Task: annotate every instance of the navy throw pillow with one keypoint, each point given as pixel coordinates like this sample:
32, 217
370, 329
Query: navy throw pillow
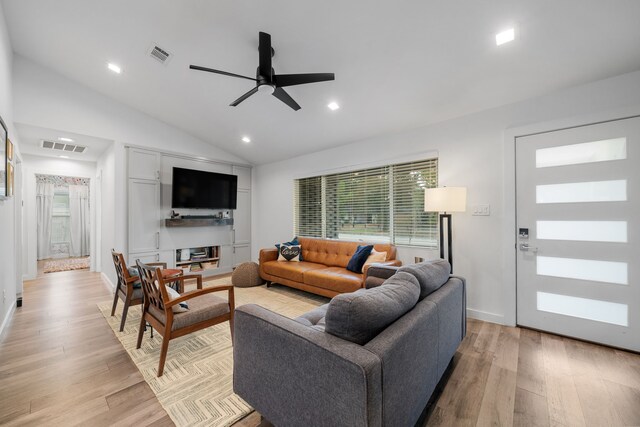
293, 242
133, 272
359, 258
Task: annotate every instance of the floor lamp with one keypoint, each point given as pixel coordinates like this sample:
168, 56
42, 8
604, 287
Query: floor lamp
445, 199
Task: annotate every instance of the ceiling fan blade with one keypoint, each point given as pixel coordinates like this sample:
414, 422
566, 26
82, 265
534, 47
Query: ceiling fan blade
283, 80
264, 49
243, 97
284, 97
224, 73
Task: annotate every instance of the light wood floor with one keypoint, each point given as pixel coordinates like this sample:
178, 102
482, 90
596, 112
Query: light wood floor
60, 364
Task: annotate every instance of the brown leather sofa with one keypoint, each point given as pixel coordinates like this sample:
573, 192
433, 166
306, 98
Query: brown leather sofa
323, 270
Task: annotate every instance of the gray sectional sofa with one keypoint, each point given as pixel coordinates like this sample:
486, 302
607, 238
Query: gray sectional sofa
368, 358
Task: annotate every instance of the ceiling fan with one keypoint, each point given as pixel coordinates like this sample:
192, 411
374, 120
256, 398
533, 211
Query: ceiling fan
266, 79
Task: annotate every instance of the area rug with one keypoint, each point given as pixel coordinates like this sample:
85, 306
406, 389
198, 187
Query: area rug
197, 386
66, 264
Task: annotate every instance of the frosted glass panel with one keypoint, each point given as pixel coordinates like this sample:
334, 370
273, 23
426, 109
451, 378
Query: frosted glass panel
588, 152
583, 269
575, 192
600, 311
586, 231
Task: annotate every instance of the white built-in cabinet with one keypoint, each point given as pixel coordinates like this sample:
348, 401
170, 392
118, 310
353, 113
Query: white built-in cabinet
148, 238
242, 217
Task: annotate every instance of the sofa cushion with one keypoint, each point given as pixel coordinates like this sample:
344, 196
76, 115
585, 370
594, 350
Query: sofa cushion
360, 316
290, 270
337, 279
315, 318
359, 258
430, 274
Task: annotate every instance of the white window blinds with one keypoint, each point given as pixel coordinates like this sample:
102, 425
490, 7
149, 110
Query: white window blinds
384, 204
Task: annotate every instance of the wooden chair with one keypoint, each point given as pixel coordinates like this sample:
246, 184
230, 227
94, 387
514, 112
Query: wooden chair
125, 289
204, 309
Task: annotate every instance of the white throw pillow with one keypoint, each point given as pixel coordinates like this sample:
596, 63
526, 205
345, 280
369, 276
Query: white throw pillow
173, 294
374, 257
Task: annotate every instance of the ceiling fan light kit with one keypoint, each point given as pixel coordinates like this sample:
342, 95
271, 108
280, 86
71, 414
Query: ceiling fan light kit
266, 80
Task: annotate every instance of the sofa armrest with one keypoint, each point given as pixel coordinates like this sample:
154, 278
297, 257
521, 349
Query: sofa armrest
270, 254
296, 375
377, 273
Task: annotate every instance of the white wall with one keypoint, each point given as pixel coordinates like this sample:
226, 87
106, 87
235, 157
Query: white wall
9, 261
471, 153
106, 213
46, 99
33, 165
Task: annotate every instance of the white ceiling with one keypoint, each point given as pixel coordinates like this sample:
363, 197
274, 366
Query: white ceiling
398, 64
31, 143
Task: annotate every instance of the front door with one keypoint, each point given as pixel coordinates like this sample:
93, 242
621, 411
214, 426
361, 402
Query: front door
578, 220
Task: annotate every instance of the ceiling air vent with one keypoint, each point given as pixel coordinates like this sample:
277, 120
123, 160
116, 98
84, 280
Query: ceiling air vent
159, 54
61, 146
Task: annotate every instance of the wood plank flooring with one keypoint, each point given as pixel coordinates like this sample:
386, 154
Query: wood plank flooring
60, 364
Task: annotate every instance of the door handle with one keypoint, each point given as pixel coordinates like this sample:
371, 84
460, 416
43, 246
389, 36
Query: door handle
157, 240
524, 247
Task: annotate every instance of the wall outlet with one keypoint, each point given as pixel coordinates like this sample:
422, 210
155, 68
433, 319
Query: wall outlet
481, 210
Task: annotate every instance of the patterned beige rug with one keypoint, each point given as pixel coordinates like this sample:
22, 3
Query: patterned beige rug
196, 388
66, 264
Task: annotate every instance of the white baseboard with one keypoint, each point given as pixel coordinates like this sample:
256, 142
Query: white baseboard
7, 317
485, 316
112, 287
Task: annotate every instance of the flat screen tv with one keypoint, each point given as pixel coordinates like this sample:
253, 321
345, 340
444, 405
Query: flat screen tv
203, 190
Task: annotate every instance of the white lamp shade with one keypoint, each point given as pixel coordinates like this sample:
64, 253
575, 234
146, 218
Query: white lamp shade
445, 199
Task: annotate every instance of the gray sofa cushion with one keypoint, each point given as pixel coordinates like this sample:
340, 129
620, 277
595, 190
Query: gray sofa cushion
430, 274
315, 318
360, 316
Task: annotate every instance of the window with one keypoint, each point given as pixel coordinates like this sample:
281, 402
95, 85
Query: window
384, 204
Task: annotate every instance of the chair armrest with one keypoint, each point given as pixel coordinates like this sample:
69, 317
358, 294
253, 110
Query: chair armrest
182, 278
198, 292
296, 375
379, 272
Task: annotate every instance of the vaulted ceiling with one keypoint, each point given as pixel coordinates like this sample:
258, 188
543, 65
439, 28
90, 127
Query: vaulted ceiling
398, 64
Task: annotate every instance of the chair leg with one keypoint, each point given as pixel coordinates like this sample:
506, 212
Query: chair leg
127, 302
143, 326
115, 302
163, 353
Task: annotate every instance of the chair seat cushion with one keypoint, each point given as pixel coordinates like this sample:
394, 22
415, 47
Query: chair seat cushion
337, 279
202, 308
290, 270
138, 293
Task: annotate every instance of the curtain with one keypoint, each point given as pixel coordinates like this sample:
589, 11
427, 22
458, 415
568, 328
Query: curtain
44, 205
79, 219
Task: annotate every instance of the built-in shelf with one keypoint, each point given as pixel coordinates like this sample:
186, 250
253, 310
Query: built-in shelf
197, 222
193, 261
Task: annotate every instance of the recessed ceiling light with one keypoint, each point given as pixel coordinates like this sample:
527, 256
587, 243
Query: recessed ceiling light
505, 36
333, 106
64, 157
63, 139
114, 68
246, 139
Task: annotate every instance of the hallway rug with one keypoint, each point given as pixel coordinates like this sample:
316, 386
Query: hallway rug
66, 264
197, 386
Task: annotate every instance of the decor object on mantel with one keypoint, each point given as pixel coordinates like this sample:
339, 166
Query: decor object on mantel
266, 80
445, 199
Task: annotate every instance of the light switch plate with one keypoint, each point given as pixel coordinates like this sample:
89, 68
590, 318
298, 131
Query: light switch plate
481, 210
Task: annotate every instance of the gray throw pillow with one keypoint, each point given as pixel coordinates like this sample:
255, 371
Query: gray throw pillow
361, 315
430, 274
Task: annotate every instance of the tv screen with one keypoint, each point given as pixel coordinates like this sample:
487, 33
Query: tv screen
203, 190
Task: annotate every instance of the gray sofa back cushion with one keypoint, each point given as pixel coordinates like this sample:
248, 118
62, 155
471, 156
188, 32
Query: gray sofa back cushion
361, 315
430, 274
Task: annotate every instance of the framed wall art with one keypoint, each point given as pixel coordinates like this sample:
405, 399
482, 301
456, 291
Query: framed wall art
4, 160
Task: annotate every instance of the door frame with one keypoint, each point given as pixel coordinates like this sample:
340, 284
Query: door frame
509, 231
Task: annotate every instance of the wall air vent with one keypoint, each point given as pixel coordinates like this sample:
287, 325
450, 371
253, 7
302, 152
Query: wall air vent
159, 54
60, 146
